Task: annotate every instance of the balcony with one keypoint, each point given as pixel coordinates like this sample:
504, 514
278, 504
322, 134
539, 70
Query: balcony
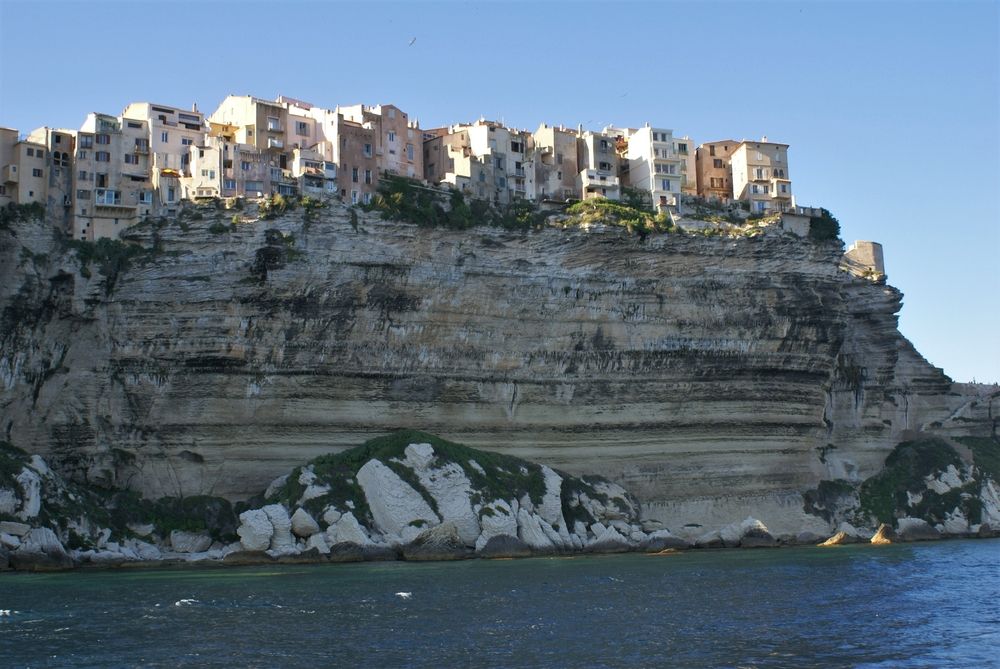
598, 179
9, 174
273, 143
274, 127
776, 185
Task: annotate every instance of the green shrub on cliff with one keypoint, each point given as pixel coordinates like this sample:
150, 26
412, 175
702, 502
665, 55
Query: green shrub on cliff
13, 213
884, 496
599, 210
824, 227
111, 257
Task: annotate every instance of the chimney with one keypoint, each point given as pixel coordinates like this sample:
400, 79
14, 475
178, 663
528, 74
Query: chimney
194, 107
764, 139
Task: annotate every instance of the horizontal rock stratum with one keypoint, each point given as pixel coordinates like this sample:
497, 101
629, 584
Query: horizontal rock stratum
712, 377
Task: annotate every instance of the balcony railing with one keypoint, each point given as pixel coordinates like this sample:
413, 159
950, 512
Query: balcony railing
273, 143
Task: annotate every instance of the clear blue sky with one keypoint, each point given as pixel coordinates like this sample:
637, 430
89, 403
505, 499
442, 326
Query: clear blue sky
890, 108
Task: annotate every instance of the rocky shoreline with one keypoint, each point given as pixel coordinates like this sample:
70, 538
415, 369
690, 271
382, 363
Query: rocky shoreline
415, 497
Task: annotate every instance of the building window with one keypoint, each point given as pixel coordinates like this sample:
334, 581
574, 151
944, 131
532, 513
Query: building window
103, 139
35, 172
83, 195
368, 150
354, 197
392, 136
368, 198
754, 189
682, 148
783, 187
186, 141
760, 206
81, 155
145, 197
711, 150
31, 152
229, 184
86, 141
82, 176
131, 159
245, 165
665, 184
354, 174
717, 163
716, 182
368, 176
102, 157
760, 156
133, 124
409, 152
164, 137
101, 180
759, 173
171, 193
517, 147
605, 166
274, 123
302, 128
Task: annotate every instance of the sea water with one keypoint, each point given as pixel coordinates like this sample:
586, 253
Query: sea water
912, 605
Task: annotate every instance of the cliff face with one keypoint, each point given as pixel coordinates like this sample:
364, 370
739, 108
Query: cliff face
712, 377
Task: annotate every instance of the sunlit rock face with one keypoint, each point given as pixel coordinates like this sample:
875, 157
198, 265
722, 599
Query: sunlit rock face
712, 377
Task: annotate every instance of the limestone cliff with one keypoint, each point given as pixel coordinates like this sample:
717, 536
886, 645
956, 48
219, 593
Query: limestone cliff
713, 377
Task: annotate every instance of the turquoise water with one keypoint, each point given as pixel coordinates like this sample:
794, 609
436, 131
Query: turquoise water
918, 605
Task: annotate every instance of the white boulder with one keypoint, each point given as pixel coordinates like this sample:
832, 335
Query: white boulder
255, 530
945, 481
394, 503
989, 494
331, 515
347, 529
188, 542
550, 509
282, 539
450, 488
318, 541
530, 531
31, 485
8, 501
497, 518
303, 524
15, 528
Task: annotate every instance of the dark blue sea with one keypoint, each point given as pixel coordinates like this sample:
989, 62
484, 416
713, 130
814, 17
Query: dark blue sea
915, 605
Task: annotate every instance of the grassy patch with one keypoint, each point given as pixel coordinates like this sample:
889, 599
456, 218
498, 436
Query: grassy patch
636, 220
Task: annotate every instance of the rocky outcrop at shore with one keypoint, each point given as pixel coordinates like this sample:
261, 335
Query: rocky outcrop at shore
414, 496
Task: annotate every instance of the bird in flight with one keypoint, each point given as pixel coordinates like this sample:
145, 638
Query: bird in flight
412, 41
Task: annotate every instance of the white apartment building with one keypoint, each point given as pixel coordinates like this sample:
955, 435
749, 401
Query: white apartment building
654, 164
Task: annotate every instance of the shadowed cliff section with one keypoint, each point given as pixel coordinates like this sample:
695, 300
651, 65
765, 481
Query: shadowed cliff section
703, 373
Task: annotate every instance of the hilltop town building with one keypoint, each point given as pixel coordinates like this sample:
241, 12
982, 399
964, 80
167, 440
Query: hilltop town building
115, 171
23, 168
760, 175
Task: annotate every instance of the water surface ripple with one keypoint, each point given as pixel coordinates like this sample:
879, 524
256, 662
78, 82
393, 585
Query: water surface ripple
926, 605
